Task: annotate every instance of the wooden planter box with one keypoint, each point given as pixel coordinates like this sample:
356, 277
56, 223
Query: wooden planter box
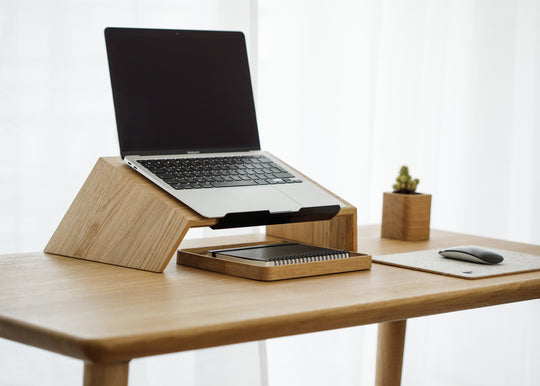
406, 216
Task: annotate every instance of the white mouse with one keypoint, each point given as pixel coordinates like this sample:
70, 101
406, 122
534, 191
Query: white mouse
472, 253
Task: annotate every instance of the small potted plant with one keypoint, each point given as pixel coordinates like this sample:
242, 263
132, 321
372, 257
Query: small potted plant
406, 213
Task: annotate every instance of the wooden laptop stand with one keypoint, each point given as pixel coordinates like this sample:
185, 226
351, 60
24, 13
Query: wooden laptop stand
119, 217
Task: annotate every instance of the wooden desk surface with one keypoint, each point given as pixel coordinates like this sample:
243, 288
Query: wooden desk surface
106, 314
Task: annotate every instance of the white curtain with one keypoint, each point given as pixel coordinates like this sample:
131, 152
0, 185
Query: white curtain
56, 119
347, 91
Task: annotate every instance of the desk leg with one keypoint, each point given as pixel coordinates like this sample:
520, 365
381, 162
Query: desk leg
115, 374
390, 345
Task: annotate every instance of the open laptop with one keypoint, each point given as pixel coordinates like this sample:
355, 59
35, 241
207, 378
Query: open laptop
186, 118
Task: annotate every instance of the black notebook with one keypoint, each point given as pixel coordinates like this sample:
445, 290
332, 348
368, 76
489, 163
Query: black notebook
278, 254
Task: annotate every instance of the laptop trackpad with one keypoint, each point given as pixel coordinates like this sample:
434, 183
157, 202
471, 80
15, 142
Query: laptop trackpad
219, 202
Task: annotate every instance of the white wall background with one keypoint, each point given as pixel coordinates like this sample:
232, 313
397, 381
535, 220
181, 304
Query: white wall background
347, 91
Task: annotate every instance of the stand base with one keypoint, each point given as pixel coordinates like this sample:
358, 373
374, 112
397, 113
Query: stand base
121, 218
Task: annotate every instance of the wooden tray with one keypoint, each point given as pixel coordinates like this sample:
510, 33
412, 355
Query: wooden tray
197, 258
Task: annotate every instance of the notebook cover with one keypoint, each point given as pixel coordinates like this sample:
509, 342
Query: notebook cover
275, 252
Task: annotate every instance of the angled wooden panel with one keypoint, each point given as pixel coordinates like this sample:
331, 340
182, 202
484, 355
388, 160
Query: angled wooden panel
339, 232
119, 217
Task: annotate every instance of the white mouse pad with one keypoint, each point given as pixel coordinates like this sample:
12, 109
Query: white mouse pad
431, 261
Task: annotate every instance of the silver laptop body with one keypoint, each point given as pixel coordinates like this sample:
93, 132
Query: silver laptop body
182, 95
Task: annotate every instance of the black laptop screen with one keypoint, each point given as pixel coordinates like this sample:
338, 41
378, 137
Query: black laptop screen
181, 91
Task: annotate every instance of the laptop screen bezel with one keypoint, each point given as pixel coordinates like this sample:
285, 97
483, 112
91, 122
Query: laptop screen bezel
113, 32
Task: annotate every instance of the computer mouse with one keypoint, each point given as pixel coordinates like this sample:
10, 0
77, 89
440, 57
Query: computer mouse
472, 253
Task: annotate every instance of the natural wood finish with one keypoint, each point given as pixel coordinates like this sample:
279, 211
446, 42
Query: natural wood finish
106, 375
107, 314
390, 344
121, 218
197, 257
406, 216
339, 232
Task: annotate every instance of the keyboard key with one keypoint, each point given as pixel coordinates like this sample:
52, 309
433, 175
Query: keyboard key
208, 172
283, 175
164, 176
233, 183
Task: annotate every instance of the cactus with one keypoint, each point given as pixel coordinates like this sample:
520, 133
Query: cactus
404, 183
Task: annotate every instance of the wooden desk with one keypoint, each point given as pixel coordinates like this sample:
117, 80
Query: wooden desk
107, 315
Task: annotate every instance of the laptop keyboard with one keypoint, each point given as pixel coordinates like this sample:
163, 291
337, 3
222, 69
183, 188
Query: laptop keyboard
218, 172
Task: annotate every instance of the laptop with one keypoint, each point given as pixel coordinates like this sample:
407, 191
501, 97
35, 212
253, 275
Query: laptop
186, 120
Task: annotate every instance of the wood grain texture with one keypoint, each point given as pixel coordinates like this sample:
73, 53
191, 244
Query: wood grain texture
106, 375
197, 258
390, 345
106, 314
121, 218
339, 232
406, 216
